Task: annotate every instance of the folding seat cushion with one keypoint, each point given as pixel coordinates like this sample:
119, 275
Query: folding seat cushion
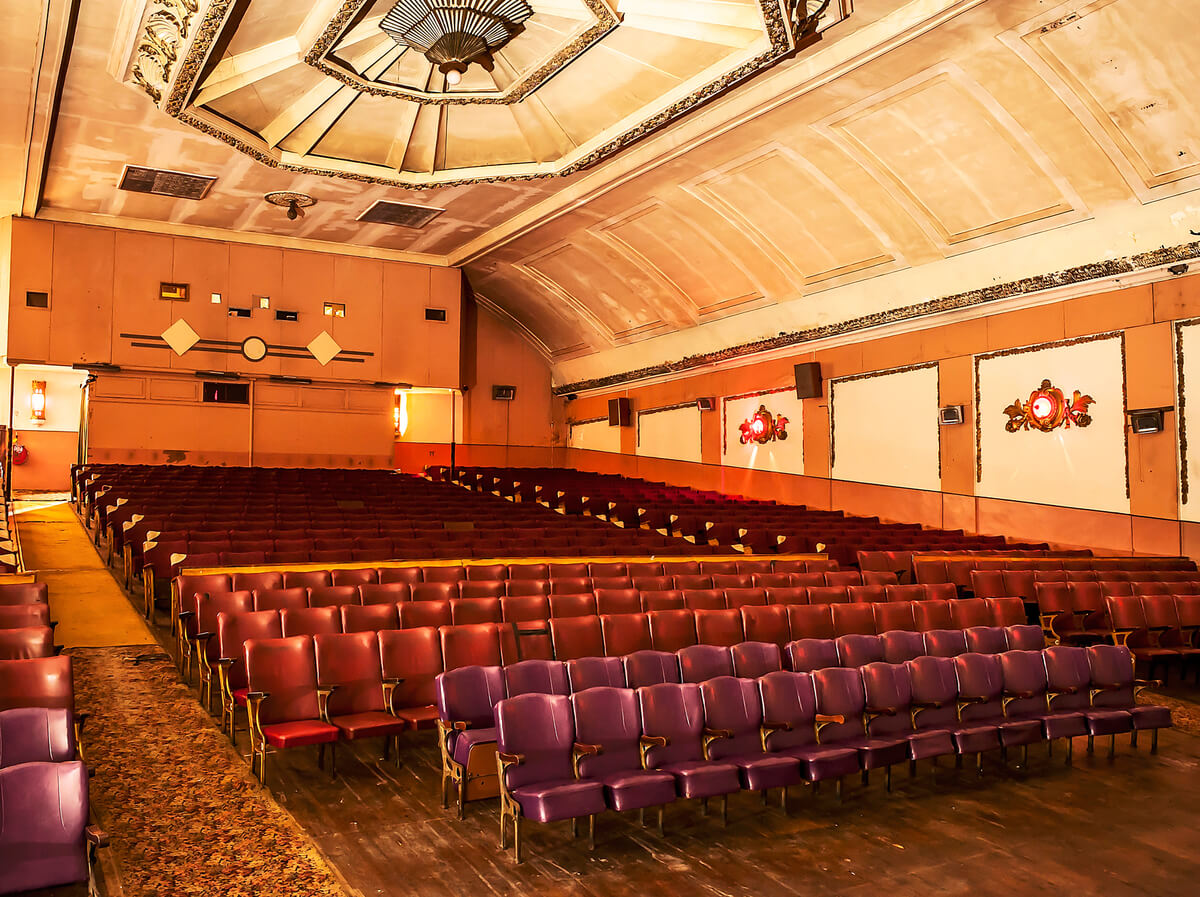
611, 583
700, 662
1113, 686
691, 581
530, 571
681, 568
879, 578
650, 668
647, 569
790, 595
662, 599
940, 592
866, 594
724, 568
407, 575
1110, 588
369, 618
575, 637
856, 650
789, 726
482, 588
310, 621
449, 574
355, 577
466, 699
1163, 621
1018, 584
987, 583
828, 595
733, 722
569, 570
945, 642
732, 581
894, 615
704, 599
18, 616
350, 686
905, 593
900, 645
807, 580
308, 579
771, 580
569, 585
625, 633
383, 593
673, 738
986, 639
524, 608
618, 601
1006, 611
719, 627
981, 705
474, 644
851, 619
332, 596
609, 719
26, 643
424, 613
810, 621
45, 805
547, 677
13, 594
1024, 638
754, 659
595, 672
1068, 681
410, 660
475, 610
300, 545
516, 587
808, 654
671, 630
582, 605
283, 705
653, 583
1025, 696
934, 614
739, 597
433, 591
36, 735
968, 612
257, 581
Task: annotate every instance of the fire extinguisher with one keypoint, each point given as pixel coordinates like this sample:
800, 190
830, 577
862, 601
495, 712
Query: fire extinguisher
20, 454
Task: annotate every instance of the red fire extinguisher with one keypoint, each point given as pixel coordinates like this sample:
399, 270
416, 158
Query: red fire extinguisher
20, 454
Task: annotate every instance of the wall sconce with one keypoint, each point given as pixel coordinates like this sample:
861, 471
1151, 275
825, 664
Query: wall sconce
1147, 420
37, 401
400, 410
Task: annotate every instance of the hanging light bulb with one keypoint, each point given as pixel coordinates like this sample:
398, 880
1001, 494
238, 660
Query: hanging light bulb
453, 77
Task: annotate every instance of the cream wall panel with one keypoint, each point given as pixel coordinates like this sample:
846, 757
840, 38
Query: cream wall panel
673, 434
596, 436
782, 456
885, 429
1076, 467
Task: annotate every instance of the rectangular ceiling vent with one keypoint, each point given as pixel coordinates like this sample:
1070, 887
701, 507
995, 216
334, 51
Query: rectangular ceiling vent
161, 182
399, 214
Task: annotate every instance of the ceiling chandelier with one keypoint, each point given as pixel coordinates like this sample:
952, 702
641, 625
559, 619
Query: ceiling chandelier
454, 33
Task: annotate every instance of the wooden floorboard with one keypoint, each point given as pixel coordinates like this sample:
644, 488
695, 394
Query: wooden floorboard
1122, 828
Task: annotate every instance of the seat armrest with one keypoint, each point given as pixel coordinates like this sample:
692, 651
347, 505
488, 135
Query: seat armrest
1140, 685
646, 742
95, 836
767, 729
204, 636
323, 693
224, 662
709, 736
390, 685
963, 703
821, 720
579, 751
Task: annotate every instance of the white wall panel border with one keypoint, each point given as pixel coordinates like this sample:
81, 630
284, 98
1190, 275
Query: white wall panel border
780, 456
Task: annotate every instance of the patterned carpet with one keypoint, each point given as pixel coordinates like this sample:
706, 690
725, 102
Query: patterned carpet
182, 812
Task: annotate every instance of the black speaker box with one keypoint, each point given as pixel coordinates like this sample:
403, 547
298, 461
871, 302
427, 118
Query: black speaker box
808, 380
708, 403
620, 412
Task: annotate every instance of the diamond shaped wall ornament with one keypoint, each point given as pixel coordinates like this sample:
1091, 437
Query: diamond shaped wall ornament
180, 336
324, 348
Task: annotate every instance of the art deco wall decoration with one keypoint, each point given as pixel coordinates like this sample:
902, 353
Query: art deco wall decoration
1048, 409
763, 427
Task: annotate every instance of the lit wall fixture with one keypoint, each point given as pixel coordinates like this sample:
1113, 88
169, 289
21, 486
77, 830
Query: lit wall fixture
1048, 409
334, 309
400, 410
37, 401
1148, 420
763, 427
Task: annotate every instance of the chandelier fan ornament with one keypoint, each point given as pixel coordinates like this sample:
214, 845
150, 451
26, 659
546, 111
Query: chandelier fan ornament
455, 33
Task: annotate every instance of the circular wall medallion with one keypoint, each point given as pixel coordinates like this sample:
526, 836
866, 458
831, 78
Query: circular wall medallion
254, 348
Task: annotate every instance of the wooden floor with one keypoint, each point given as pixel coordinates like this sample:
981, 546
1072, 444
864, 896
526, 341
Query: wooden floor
1113, 829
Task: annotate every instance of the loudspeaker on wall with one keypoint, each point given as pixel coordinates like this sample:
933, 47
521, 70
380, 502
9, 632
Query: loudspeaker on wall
808, 380
707, 403
620, 412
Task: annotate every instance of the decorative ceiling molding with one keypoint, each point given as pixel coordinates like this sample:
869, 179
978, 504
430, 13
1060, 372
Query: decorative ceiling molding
955, 302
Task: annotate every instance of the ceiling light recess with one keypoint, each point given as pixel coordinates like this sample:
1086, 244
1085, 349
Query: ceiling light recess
455, 33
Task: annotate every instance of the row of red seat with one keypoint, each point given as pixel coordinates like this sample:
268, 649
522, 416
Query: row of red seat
960, 570
45, 839
26, 630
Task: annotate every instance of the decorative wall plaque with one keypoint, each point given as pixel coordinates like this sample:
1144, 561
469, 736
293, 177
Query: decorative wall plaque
1048, 409
763, 427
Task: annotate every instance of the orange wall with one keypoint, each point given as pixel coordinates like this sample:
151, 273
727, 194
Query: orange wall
51, 454
1145, 314
104, 301
493, 355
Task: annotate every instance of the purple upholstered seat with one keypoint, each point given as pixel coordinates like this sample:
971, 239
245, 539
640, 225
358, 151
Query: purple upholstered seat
593, 672
543, 677
789, 717
808, 654
980, 701
840, 694
1114, 687
888, 691
36, 734
1025, 685
673, 728
754, 659
651, 668
700, 662
733, 723
43, 825
609, 719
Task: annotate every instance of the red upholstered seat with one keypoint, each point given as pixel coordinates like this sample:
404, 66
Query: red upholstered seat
412, 659
350, 664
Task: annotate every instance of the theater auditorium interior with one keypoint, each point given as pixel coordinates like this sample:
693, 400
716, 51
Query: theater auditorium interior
599, 447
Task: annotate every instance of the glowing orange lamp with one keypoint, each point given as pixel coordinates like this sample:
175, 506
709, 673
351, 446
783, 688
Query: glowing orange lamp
37, 400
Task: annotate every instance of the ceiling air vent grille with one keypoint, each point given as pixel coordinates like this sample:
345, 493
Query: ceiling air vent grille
161, 182
399, 214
